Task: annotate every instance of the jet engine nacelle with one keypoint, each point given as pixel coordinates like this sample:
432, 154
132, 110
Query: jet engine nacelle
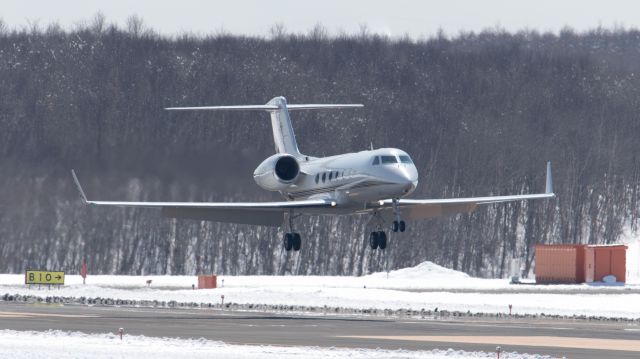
277, 172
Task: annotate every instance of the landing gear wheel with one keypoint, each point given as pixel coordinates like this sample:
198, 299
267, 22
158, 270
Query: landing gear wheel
402, 226
382, 240
395, 226
288, 241
297, 242
373, 240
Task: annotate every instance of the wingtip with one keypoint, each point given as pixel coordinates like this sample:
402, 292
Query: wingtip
75, 179
549, 182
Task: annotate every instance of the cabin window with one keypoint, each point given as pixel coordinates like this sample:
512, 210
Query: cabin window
330, 176
324, 176
405, 159
388, 159
376, 160
317, 178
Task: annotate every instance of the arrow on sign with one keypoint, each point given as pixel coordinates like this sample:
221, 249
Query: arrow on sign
59, 277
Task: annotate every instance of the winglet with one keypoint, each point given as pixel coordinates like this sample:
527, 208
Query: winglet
549, 185
75, 179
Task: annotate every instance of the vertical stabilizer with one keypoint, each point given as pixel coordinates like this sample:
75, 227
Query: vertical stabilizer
283, 136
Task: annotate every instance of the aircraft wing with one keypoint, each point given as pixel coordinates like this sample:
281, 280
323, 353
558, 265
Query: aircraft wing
430, 208
259, 213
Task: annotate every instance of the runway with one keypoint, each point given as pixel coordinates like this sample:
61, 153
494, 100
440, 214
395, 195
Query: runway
572, 339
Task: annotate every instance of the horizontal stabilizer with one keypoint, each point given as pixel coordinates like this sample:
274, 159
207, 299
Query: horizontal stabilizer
324, 106
278, 110
266, 107
245, 107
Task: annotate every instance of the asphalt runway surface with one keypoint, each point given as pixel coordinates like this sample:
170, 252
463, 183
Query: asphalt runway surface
558, 338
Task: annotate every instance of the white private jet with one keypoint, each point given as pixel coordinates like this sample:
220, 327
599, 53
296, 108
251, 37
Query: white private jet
368, 182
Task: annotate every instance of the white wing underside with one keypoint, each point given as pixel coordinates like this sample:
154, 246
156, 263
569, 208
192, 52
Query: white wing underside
272, 213
258, 213
431, 208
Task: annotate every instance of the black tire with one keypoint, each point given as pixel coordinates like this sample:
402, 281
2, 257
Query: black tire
288, 241
382, 240
297, 242
402, 226
373, 240
394, 226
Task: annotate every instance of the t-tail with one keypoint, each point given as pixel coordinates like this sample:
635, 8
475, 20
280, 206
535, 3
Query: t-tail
283, 135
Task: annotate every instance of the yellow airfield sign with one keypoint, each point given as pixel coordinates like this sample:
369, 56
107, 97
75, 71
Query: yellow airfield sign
43, 277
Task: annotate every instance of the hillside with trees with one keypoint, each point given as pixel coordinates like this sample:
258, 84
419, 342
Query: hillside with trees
480, 113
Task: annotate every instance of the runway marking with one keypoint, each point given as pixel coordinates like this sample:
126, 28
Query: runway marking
536, 341
488, 325
32, 315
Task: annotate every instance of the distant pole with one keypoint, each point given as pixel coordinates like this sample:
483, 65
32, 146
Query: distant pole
83, 271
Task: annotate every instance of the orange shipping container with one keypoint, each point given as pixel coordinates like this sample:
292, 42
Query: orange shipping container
560, 263
610, 260
589, 264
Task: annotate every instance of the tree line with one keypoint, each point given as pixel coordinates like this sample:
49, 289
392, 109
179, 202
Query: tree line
480, 113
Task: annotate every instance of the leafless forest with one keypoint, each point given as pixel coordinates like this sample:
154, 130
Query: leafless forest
479, 113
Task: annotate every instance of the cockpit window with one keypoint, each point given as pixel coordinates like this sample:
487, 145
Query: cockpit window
405, 159
388, 159
330, 176
376, 160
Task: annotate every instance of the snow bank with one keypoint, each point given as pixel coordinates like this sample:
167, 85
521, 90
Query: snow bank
58, 344
423, 271
426, 286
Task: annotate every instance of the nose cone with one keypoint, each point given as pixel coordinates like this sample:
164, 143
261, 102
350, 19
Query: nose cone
407, 177
412, 182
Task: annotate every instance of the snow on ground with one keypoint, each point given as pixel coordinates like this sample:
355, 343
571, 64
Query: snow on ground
59, 344
445, 289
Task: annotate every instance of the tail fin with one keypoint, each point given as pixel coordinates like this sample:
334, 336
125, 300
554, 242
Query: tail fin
283, 136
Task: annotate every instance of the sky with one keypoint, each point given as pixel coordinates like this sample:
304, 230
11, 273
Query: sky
397, 18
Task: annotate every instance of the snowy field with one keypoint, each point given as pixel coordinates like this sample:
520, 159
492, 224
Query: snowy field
58, 344
401, 289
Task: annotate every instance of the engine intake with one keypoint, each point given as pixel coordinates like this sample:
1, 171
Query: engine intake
277, 172
287, 168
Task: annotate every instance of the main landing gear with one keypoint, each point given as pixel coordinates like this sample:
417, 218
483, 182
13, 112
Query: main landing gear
378, 240
291, 240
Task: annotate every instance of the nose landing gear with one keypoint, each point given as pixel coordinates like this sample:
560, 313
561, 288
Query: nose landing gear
397, 224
